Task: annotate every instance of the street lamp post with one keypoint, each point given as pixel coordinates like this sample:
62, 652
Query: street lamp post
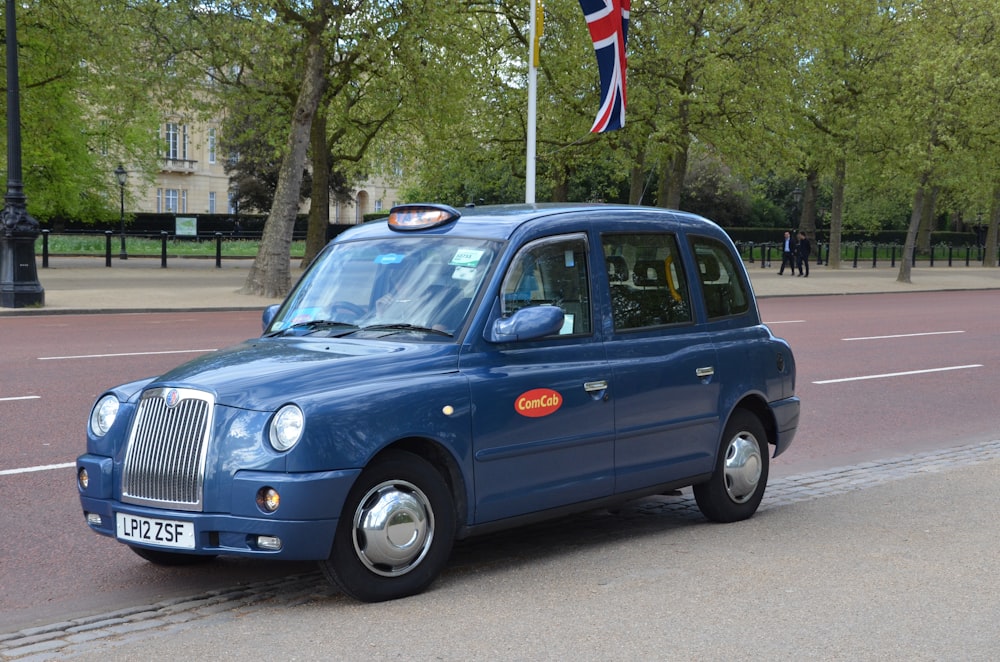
19, 286
122, 175
797, 197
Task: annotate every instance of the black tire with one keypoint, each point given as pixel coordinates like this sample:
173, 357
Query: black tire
396, 530
736, 488
158, 557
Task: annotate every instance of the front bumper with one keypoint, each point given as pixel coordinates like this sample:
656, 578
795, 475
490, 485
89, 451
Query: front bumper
305, 522
786, 419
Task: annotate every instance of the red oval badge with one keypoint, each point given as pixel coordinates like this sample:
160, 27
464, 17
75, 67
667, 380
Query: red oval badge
538, 402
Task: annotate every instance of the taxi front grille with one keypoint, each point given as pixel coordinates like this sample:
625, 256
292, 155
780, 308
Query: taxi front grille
165, 458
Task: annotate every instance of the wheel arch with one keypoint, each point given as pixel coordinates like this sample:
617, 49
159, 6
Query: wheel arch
444, 462
756, 405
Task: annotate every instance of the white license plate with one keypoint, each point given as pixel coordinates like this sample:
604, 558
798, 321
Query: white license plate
161, 532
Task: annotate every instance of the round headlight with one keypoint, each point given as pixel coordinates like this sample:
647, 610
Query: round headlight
286, 427
102, 417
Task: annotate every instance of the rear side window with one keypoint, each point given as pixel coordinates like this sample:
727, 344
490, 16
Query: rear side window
721, 285
646, 278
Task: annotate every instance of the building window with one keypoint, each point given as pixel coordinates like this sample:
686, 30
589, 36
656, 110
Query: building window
177, 141
378, 205
211, 146
170, 197
211, 202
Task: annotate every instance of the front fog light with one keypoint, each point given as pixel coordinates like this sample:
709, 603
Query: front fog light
268, 499
83, 478
94, 519
270, 543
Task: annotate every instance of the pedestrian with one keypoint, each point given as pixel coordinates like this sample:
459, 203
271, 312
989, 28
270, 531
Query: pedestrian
787, 255
802, 249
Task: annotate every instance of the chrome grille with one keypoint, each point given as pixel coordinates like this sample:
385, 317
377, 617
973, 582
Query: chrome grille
165, 458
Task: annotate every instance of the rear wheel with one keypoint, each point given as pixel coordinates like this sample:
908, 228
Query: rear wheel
396, 531
736, 487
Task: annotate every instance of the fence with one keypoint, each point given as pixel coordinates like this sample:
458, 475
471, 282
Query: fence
857, 252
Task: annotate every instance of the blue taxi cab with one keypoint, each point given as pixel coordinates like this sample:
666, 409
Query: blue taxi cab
446, 373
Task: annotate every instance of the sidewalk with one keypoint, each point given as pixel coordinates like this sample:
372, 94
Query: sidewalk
86, 285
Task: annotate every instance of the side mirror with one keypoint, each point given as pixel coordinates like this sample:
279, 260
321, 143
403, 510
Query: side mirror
527, 324
268, 315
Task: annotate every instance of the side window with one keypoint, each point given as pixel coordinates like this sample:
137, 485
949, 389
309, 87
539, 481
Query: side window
552, 271
724, 291
647, 281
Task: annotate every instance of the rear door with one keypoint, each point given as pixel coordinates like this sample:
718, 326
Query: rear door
663, 384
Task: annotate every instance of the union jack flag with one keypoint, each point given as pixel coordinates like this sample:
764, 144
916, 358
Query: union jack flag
608, 24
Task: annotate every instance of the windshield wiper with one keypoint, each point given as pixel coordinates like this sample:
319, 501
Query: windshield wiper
401, 326
312, 326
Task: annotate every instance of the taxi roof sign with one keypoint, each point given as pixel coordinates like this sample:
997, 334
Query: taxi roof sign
421, 216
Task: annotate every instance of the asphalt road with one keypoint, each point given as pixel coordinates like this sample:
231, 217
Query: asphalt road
880, 376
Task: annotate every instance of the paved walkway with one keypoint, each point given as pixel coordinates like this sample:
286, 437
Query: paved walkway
85, 285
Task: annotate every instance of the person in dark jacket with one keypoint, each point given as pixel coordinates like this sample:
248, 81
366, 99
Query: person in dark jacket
802, 250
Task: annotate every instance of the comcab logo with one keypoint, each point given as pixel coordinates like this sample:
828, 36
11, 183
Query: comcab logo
538, 402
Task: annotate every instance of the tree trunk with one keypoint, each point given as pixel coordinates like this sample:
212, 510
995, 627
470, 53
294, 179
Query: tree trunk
927, 220
807, 221
637, 180
270, 274
836, 213
911, 232
672, 180
319, 208
991, 233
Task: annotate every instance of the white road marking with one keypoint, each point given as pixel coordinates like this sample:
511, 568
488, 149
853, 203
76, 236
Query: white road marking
43, 467
898, 374
20, 397
905, 335
107, 356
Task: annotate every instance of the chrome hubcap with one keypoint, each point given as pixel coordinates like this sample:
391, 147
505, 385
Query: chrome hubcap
393, 528
743, 467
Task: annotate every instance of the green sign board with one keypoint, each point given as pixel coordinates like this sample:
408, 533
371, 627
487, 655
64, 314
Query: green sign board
187, 226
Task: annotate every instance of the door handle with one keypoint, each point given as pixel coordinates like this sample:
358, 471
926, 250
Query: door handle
594, 387
705, 372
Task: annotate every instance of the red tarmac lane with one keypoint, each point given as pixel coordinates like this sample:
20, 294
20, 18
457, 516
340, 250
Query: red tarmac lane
880, 375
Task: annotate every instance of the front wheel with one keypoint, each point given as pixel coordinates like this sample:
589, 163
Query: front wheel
736, 488
396, 530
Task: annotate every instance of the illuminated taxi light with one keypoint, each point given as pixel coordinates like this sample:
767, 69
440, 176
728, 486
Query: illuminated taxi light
94, 519
421, 217
271, 543
268, 499
83, 478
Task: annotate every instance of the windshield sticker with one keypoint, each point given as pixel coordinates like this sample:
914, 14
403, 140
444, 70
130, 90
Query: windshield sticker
463, 273
467, 257
538, 402
389, 258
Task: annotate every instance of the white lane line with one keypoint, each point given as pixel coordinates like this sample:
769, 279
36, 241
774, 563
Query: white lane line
905, 335
44, 467
20, 397
899, 374
108, 356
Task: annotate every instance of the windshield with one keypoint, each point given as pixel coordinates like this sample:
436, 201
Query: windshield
394, 285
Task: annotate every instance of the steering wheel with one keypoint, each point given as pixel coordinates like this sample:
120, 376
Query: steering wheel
352, 309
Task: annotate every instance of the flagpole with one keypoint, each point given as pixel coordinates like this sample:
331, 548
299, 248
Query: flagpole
529, 173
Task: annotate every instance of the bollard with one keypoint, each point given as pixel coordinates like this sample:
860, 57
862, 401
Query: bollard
45, 249
751, 252
913, 257
874, 255
218, 250
163, 249
968, 251
949, 255
932, 255
857, 248
893, 263
107, 248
